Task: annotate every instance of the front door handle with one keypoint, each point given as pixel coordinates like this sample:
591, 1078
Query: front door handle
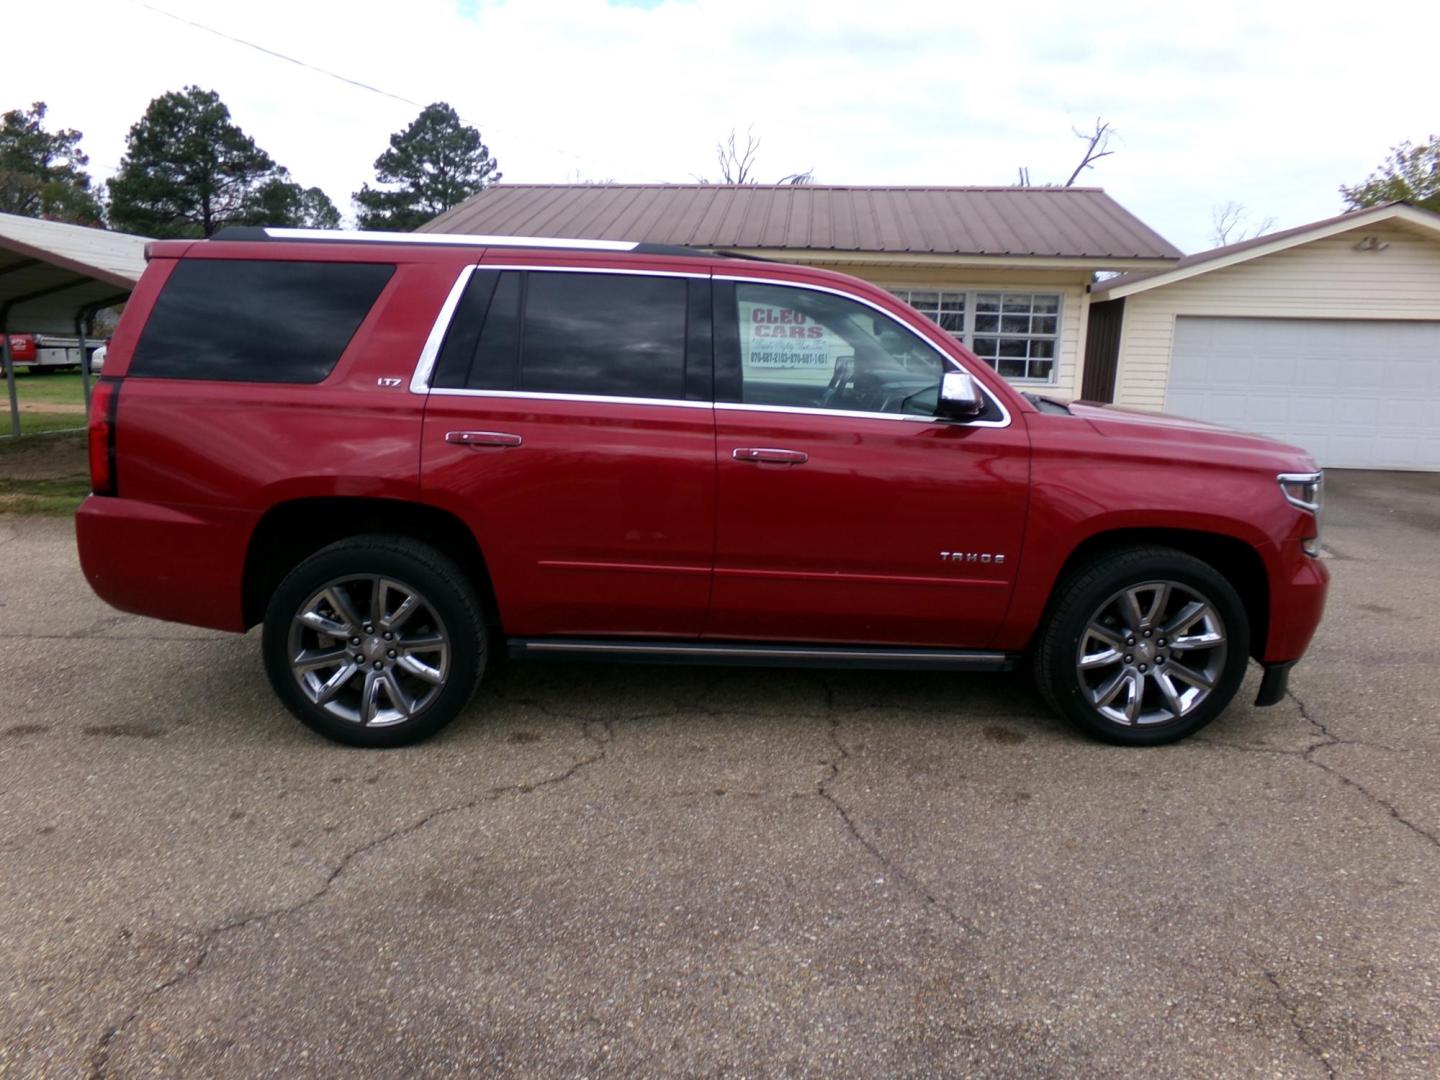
483, 438
770, 455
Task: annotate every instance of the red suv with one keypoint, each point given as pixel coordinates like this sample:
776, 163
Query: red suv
403, 452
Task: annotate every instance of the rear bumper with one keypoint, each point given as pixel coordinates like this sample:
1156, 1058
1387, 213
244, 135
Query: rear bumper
165, 563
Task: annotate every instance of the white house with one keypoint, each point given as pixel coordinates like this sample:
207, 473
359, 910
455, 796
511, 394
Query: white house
1327, 336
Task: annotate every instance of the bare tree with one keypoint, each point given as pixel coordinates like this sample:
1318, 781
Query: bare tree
577, 177
737, 164
1097, 146
1231, 223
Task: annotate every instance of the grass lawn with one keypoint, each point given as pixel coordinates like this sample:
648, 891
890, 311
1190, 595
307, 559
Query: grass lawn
55, 497
32, 422
54, 387
51, 389
65, 450
43, 474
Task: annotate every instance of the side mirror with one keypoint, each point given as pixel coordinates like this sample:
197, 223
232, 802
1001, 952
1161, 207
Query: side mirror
960, 397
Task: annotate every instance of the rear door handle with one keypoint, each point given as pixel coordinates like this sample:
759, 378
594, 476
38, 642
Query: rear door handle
770, 454
483, 438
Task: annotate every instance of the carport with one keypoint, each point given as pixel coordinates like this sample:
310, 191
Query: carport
54, 278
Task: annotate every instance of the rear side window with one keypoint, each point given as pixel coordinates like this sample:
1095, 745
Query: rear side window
256, 320
617, 335
612, 335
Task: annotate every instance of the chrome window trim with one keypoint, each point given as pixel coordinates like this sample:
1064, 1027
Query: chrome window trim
450, 239
425, 366
430, 353
1004, 420
729, 406
801, 410
626, 271
541, 395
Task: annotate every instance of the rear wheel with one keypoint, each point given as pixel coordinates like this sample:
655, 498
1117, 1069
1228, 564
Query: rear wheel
375, 641
1144, 646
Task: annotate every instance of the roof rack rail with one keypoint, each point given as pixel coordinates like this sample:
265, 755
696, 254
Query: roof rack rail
741, 255
350, 236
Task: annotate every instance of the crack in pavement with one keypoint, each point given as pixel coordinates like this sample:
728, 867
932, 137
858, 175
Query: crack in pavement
822, 789
1331, 739
1326, 740
598, 732
914, 884
1302, 1033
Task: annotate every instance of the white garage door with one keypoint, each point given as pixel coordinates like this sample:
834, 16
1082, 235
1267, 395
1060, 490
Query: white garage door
1357, 394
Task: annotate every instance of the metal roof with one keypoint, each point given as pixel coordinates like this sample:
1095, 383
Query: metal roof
50, 271
1230, 254
1018, 222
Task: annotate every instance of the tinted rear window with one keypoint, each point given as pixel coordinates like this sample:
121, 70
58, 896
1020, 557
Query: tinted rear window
256, 321
618, 335
601, 334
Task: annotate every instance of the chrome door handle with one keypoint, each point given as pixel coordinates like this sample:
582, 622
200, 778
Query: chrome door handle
483, 438
769, 454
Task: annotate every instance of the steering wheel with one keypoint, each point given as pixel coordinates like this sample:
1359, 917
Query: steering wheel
844, 368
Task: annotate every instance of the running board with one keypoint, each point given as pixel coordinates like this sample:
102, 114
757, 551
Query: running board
751, 655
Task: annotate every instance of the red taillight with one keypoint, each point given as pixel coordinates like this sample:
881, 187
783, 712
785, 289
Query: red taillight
22, 347
103, 400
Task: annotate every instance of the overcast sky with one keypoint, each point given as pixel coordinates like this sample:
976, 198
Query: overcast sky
1269, 104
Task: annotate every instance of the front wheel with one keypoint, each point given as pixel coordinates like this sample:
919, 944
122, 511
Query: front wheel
375, 641
1143, 646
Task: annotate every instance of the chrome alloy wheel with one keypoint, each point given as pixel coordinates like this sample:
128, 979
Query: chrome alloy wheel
369, 650
1151, 653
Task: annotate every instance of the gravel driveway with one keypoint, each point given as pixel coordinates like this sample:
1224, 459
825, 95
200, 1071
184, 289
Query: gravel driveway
630, 870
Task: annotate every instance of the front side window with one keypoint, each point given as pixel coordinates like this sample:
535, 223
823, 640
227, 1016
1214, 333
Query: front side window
806, 349
1017, 334
610, 335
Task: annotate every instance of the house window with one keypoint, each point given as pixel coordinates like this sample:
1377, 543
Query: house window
1017, 334
947, 309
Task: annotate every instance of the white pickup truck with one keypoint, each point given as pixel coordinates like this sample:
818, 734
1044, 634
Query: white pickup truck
50, 352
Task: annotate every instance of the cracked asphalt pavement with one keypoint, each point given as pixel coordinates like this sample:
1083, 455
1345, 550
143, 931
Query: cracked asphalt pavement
605, 871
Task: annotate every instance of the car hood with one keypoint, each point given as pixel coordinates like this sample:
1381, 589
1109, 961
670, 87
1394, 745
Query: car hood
1172, 434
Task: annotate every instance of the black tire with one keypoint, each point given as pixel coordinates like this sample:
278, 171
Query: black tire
448, 610
1081, 600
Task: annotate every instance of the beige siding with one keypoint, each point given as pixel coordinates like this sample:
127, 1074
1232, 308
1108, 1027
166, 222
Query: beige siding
1325, 279
1074, 303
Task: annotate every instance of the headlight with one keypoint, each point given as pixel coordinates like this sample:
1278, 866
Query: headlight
1303, 489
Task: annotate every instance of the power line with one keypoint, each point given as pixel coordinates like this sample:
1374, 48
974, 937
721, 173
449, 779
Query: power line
276, 55
342, 78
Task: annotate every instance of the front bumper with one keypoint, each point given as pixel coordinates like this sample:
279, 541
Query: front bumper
1297, 602
1274, 684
